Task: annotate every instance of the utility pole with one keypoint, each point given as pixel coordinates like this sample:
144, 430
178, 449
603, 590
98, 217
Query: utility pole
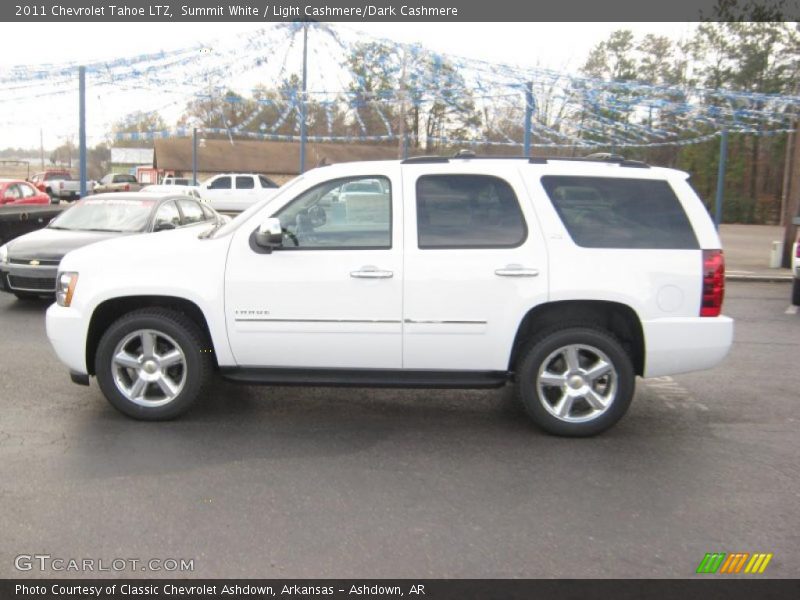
303, 107
529, 106
82, 128
194, 156
723, 158
401, 128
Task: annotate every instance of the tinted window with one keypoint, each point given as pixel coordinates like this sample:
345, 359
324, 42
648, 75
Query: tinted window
245, 183
267, 183
192, 213
124, 178
221, 183
607, 212
327, 217
468, 211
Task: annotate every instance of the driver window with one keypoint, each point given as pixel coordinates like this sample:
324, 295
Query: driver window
352, 213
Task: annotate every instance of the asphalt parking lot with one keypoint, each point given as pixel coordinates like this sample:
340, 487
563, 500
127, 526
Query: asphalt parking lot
291, 482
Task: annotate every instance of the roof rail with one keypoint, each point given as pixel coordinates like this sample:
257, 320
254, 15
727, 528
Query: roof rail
616, 159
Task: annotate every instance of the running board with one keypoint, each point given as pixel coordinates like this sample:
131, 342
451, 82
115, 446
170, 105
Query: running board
391, 378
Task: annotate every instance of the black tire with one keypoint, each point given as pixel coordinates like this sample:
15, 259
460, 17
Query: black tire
195, 370
545, 348
796, 292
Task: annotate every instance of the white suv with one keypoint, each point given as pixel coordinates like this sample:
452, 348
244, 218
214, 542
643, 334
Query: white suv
235, 192
566, 277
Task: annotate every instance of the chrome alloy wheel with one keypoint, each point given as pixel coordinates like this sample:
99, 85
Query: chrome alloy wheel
577, 383
149, 368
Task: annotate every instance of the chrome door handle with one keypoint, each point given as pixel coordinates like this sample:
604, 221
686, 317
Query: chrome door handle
516, 271
371, 272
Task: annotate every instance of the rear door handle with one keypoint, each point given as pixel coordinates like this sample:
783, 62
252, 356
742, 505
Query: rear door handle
516, 271
371, 272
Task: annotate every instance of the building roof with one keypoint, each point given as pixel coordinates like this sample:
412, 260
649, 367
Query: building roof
131, 156
220, 156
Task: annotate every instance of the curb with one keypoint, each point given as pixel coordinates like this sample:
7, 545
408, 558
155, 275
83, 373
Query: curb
760, 278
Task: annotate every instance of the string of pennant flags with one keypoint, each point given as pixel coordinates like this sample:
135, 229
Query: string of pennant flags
390, 79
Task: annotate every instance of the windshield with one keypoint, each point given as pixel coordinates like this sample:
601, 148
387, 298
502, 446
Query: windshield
119, 215
233, 225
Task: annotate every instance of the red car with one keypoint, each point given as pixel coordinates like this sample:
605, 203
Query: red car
16, 191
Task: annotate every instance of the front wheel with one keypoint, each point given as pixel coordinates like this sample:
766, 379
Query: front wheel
152, 364
575, 382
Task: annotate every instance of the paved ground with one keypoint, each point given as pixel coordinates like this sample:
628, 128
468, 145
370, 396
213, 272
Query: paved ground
748, 248
288, 482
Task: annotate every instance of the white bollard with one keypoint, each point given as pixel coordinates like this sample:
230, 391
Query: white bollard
775, 255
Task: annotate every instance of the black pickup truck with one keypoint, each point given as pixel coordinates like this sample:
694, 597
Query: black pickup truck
21, 219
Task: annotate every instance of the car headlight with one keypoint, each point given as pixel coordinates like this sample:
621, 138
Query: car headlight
65, 287
4, 254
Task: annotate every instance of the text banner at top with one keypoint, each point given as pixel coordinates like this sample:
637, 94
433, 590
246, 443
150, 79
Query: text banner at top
399, 10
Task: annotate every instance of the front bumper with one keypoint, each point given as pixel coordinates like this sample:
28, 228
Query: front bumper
66, 330
33, 279
680, 345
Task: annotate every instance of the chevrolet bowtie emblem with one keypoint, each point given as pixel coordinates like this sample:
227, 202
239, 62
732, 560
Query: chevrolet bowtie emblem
34, 263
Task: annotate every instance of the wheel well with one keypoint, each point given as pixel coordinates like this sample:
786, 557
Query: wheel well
111, 310
619, 319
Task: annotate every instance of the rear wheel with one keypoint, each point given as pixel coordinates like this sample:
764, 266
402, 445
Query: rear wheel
152, 364
796, 292
575, 382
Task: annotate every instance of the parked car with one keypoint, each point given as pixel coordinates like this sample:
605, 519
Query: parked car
58, 184
16, 191
28, 264
188, 190
117, 182
796, 268
461, 273
19, 219
235, 192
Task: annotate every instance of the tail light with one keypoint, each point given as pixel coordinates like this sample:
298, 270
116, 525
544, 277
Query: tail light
713, 283
61, 185
127, 187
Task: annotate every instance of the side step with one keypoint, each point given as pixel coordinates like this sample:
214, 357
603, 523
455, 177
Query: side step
392, 378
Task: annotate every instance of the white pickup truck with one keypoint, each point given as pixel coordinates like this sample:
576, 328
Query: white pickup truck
236, 192
566, 277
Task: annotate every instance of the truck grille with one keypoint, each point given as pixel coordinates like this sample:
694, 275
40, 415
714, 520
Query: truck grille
45, 262
37, 284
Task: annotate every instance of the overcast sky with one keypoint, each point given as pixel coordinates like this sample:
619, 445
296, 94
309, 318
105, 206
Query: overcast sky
561, 46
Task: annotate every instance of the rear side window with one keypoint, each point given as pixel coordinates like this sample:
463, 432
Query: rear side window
468, 211
245, 183
608, 212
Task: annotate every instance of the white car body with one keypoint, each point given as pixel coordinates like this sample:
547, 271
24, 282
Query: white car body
447, 310
236, 192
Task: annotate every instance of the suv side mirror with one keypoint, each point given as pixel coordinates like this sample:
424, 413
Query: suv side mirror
269, 234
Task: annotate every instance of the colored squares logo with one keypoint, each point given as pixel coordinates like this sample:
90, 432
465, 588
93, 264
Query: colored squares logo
735, 562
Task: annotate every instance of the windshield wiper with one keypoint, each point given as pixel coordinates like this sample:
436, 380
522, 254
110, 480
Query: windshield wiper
104, 230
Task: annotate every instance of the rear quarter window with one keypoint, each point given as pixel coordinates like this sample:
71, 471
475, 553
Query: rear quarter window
610, 212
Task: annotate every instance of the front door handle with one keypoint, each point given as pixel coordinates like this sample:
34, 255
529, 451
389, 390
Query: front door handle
371, 272
516, 271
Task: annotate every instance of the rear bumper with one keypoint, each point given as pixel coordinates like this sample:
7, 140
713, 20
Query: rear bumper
66, 330
680, 345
